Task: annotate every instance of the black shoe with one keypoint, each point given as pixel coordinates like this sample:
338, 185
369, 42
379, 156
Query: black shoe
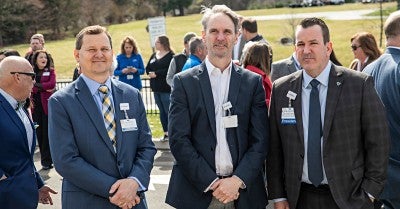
47, 167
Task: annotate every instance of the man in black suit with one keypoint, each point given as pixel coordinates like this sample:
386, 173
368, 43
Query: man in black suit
218, 126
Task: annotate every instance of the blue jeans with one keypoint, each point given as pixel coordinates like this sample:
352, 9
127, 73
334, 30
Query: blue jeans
162, 101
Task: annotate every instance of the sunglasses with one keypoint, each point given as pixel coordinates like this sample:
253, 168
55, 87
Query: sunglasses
354, 47
32, 75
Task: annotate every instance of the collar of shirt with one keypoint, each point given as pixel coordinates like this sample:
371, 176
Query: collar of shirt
94, 90
94, 85
394, 47
211, 67
13, 102
323, 77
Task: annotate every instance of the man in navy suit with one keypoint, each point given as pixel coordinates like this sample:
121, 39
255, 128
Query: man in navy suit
386, 73
218, 126
99, 136
21, 186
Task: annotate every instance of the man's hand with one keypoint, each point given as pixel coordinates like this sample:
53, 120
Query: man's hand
281, 205
44, 195
124, 193
3, 177
227, 190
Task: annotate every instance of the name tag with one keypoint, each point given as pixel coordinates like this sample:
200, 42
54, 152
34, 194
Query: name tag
288, 117
230, 121
129, 77
128, 125
46, 74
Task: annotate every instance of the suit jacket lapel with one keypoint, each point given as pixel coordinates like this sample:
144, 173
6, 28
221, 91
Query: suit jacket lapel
334, 89
296, 87
118, 98
234, 86
86, 99
205, 86
15, 118
33, 145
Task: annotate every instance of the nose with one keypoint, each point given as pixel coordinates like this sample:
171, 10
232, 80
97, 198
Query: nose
306, 49
220, 36
98, 53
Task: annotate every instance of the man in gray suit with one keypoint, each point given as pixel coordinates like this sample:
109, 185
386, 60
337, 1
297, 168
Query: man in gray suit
218, 126
284, 67
386, 73
329, 136
99, 136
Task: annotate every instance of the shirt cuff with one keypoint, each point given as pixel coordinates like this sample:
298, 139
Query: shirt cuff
141, 187
279, 200
208, 188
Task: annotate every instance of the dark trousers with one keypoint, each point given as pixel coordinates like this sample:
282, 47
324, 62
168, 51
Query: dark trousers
319, 197
41, 119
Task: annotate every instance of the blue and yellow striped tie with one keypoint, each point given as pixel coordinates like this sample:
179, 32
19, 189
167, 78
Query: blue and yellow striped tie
108, 113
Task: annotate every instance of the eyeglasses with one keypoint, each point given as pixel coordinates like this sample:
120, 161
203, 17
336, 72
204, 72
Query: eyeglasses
32, 75
354, 47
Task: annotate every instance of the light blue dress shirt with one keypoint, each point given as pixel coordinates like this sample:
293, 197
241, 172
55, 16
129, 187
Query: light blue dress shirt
323, 78
94, 90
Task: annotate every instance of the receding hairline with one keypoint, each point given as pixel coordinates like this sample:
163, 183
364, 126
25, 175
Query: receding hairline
11, 63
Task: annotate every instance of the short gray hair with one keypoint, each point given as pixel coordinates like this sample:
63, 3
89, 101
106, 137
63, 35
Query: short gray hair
208, 12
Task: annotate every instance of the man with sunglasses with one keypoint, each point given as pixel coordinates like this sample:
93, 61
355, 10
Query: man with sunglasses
21, 186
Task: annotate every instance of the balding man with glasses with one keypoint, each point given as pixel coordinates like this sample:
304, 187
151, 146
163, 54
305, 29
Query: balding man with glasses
21, 186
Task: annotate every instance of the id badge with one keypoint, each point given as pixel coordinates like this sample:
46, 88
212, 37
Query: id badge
230, 121
128, 125
129, 77
46, 74
288, 117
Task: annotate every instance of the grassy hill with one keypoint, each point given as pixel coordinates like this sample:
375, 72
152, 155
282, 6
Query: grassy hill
272, 30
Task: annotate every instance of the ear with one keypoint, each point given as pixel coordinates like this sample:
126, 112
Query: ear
329, 48
76, 55
203, 35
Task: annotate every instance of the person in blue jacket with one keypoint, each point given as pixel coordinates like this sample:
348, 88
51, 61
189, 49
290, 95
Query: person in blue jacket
130, 63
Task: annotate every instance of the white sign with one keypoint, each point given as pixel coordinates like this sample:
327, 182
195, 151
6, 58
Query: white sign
156, 28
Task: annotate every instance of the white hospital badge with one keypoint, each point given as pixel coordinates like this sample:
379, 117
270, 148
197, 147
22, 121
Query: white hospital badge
46, 73
124, 106
291, 95
288, 117
128, 125
129, 77
230, 121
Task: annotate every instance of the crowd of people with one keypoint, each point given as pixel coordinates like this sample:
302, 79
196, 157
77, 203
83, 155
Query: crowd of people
304, 132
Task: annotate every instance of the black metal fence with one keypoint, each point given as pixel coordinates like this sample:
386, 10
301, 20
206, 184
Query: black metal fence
147, 95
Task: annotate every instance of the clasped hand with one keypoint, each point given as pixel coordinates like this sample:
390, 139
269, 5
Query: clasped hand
227, 189
124, 193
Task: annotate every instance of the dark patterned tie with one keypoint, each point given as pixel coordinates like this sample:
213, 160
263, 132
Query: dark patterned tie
108, 112
315, 173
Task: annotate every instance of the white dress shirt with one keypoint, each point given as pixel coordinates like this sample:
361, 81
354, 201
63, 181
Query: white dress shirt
220, 87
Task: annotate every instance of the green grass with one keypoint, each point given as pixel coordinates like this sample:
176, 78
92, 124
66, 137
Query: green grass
155, 125
273, 30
